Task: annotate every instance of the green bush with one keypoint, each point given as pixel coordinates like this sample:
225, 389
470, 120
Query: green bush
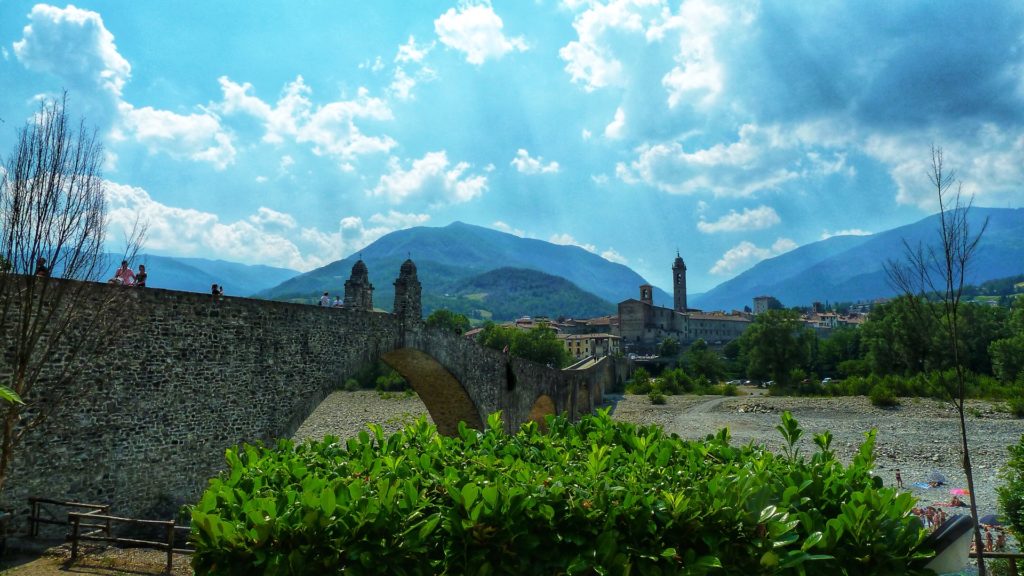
656, 397
1016, 407
1011, 492
883, 397
596, 497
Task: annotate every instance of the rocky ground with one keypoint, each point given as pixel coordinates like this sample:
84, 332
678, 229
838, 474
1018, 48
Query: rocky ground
917, 437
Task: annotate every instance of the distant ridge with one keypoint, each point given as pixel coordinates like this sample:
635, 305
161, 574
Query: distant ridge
850, 268
197, 274
448, 257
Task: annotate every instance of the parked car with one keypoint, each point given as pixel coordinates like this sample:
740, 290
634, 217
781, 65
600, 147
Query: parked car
826, 380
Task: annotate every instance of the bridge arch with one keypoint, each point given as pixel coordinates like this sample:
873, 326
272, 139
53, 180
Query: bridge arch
444, 396
542, 407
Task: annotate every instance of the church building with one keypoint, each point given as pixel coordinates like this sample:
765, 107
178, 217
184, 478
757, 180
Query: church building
643, 325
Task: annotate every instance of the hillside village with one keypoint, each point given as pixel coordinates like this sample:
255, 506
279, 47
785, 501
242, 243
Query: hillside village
640, 325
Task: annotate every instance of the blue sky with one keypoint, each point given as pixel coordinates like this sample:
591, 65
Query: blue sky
293, 134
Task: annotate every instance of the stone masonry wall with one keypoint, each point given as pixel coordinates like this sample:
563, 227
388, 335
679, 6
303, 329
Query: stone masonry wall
191, 375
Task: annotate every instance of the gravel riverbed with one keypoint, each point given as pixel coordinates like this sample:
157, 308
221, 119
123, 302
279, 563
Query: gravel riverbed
917, 437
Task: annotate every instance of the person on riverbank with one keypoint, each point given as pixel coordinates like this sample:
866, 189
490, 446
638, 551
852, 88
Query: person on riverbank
899, 479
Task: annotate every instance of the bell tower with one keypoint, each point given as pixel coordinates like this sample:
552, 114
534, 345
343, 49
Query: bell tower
679, 284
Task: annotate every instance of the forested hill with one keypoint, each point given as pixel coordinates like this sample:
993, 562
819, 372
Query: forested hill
508, 293
447, 258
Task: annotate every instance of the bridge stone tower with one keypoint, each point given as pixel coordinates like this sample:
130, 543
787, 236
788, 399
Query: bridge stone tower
679, 284
407, 294
358, 290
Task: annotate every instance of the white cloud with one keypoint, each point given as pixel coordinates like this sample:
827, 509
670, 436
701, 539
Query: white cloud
825, 234
286, 163
615, 128
568, 240
746, 254
5, 53
525, 164
986, 160
401, 85
198, 137
430, 179
268, 237
74, 44
411, 52
599, 179
612, 256
373, 66
261, 179
189, 232
499, 225
697, 68
750, 219
591, 60
586, 134
476, 31
266, 217
758, 160
330, 128
356, 235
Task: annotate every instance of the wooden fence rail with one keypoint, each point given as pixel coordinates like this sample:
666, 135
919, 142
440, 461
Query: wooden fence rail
81, 520
1013, 558
93, 523
40, 504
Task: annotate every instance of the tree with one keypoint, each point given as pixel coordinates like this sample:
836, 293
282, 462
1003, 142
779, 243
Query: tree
449, 321
775, 344
941, 270
1007, 354
702, 361
53, 226
539, 344
669, 348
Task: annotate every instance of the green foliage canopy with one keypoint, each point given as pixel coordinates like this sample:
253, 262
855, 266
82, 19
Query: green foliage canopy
449, 321
614, 497
775, 344
539, 344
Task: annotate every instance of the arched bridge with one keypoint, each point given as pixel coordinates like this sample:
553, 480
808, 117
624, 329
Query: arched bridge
191, 375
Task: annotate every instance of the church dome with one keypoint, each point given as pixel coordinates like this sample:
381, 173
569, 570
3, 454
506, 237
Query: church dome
408, 268
359, 269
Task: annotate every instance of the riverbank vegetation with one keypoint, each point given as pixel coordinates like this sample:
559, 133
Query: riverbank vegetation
595, 497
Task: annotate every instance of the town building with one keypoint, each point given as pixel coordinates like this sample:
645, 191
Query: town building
642, 325
587, 345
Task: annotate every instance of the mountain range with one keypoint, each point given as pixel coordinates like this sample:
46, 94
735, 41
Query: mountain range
486, 273
852, 268
451, 258
198, 274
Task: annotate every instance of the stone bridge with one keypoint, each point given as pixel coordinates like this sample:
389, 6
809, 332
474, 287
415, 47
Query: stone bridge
192, 375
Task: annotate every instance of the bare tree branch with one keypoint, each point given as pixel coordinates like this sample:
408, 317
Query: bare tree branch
932, 279
53, 226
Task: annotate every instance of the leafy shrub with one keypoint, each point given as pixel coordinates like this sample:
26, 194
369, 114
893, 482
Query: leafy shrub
596, 497
641, 382
1011, 492
1016, 407
883, 397
656, 397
